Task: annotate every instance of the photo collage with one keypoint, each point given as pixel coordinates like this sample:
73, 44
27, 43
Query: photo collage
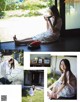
39, 76
39, 50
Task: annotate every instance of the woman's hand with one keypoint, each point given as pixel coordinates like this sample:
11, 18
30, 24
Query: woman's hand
46, 18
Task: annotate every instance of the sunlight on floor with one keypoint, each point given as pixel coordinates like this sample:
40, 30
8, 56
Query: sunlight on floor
22, 27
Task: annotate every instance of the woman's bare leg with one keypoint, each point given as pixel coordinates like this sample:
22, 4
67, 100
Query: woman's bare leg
24, 41
54, 89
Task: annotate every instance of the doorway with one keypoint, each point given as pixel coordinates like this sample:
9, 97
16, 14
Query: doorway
35, 78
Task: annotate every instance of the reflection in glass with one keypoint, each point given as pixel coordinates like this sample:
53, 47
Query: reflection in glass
72, 14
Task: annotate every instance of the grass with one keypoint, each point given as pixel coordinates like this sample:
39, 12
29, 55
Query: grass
38, 97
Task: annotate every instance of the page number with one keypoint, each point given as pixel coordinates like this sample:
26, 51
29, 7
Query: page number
3, 97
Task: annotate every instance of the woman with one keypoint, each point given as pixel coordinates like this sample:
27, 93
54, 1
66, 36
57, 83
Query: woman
66, 86
31, 91
11, 63
54, 23
6, 67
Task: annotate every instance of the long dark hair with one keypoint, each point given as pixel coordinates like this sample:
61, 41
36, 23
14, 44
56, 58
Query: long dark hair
12, 65
55, 12
67, 64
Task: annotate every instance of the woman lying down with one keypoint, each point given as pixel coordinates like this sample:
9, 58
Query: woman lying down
66, 86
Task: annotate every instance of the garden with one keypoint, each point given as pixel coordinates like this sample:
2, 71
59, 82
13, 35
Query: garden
37, 97
22, 8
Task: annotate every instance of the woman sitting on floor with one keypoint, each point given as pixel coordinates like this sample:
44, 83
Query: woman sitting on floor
54, 23
66, 85
31, 91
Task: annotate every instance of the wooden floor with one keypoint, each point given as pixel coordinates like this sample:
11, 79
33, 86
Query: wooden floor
63, 44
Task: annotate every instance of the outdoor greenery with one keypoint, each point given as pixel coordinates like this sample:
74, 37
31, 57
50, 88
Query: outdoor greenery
50, 2
51, 77
38, 97
2, 8
32, 6
2, 5
18, 55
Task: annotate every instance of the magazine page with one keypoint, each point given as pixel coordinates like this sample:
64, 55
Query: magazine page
39, 50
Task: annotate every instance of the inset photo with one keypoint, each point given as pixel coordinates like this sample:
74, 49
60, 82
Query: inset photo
11, 67
62, 78
33, 88
40, 60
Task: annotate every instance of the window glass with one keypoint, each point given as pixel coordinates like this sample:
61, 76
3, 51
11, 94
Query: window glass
72, 14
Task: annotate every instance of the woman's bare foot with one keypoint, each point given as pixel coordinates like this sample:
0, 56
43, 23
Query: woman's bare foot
16, 41
48, 94
14, 38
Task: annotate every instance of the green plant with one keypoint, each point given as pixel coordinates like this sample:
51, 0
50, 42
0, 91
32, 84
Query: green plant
2, 14
32, 13
2, 5
52, 78
32, 5
50, 2
2, 8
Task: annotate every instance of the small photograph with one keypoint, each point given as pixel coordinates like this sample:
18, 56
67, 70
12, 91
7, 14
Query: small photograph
11, 67
33, 88
40, 60
62, 78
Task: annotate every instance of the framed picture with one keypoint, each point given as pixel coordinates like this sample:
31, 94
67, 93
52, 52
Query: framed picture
46, 61
40, 60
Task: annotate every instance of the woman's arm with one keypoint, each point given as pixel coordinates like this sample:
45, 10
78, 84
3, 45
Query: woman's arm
54, 28
60, 88
55, 83
47, 22
68, 78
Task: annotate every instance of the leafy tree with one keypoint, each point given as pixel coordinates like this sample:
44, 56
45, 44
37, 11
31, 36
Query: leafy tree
2, 8
50, 2
2, 5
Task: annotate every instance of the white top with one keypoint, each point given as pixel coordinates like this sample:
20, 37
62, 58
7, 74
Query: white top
31, 92
4, 68
49, 35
